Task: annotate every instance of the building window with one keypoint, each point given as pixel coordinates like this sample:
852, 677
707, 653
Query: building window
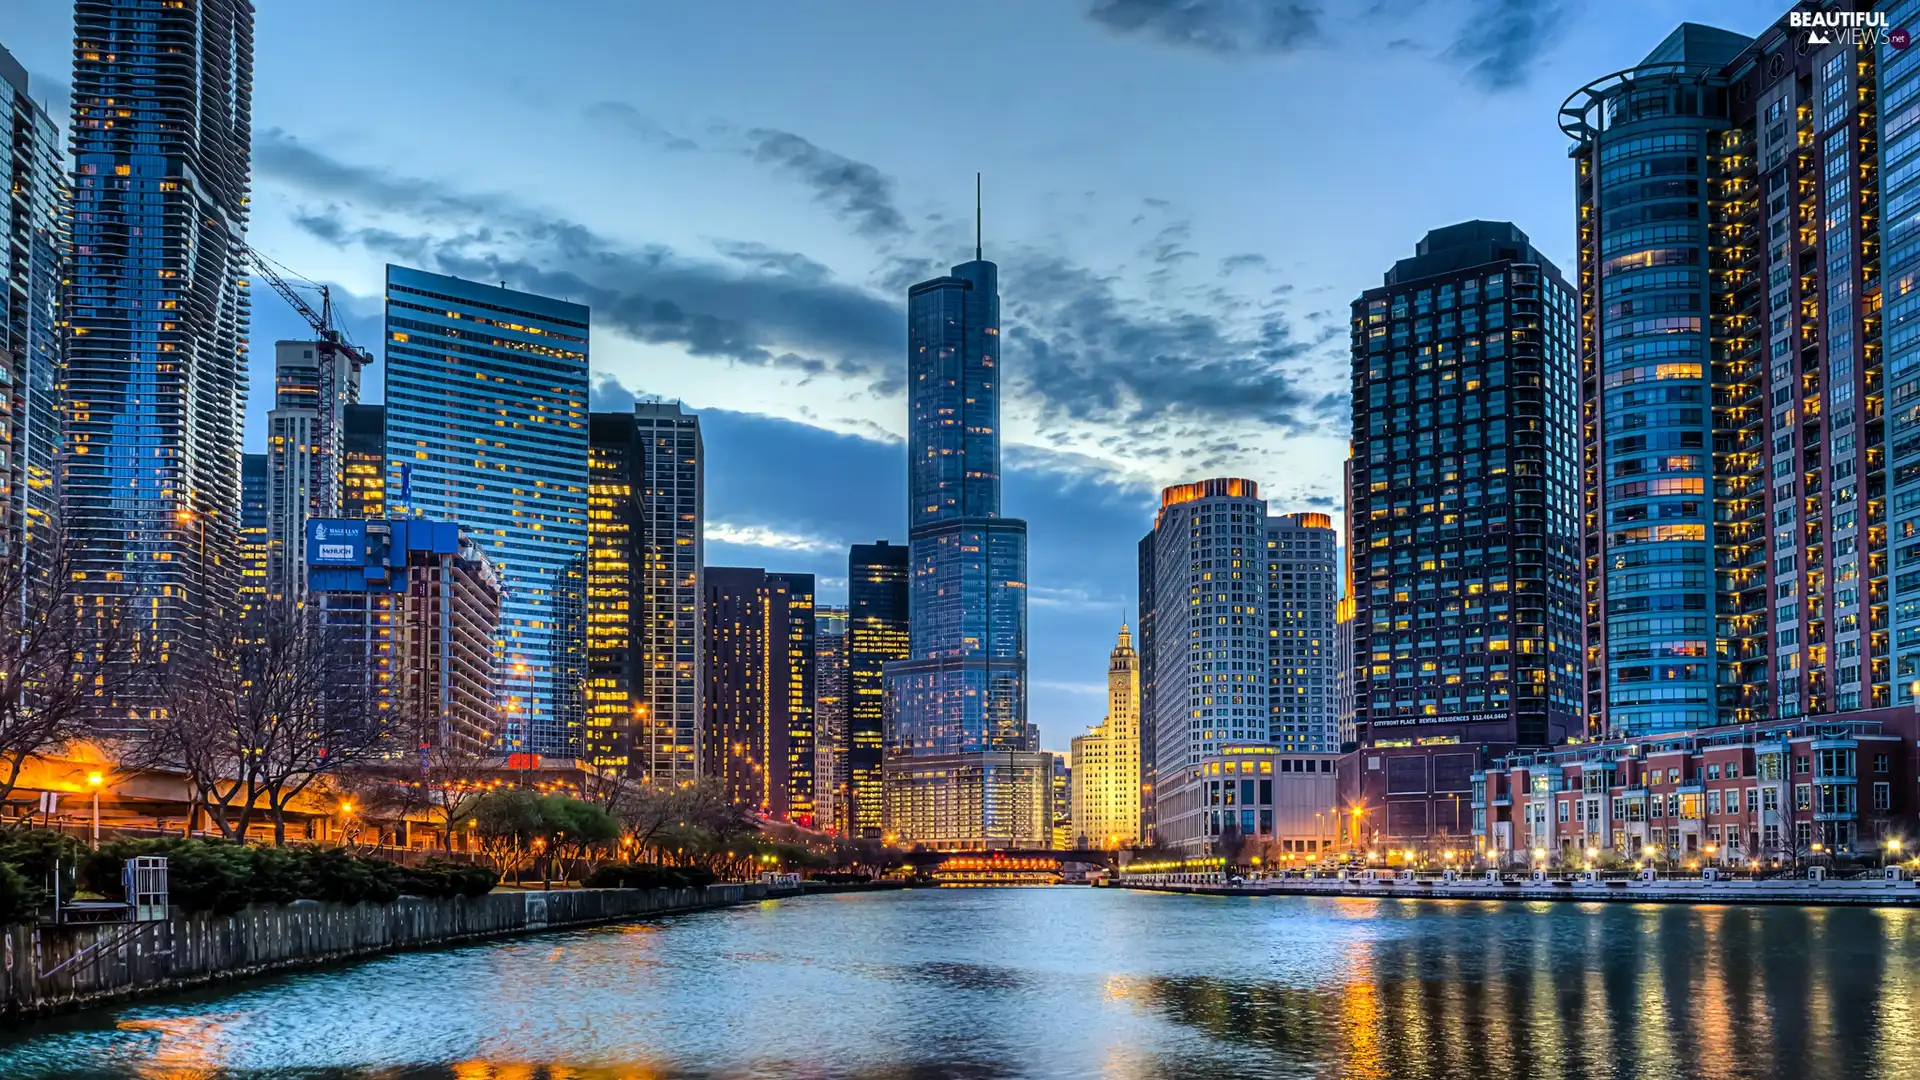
1882, 795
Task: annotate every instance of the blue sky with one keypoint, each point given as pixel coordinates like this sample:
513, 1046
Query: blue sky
1183, 197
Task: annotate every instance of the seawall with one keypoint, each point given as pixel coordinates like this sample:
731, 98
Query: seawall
1664, 891
48, 969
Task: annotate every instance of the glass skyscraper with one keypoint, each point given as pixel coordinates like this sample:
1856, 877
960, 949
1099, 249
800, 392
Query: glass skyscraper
963, 688
486, 398
158, 309
35, 227
877, 635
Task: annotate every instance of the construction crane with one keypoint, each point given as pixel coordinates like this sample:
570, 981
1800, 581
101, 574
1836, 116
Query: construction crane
331, 349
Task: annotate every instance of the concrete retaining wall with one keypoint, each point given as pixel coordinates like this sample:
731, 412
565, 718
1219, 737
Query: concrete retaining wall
1664, 891
190, 950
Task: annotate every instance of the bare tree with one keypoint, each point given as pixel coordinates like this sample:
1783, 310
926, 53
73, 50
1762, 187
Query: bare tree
62, 664
255, 727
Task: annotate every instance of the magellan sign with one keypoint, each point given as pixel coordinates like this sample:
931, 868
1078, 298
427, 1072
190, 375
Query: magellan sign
336, 543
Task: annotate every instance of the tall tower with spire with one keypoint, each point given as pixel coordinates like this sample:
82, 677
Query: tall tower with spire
1106, 760
962, 771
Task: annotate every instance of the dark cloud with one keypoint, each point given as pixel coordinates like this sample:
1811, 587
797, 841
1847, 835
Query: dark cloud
854, 190
1083, 352
1207, 371
1500, 40
762, 307
623, 117
1217, 26
1246, 261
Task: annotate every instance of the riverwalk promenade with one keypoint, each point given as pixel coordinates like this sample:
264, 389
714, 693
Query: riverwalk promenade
1882, 891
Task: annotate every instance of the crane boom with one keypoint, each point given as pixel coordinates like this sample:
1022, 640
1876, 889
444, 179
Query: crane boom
332, 347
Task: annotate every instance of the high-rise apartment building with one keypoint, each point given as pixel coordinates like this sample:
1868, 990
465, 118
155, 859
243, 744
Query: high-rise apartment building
758, 728
158, 311
32, 174
306, 431
1301, 590
486, 419
1148, 739
963, 688
616, 561
1462, 524
363, 462
254, 498
667, 742
1746, 520
1211, 662
831, 674
878, 632
424, 599
1105, 805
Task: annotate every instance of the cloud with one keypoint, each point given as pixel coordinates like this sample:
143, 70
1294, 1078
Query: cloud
1165, 375
854, 190
758, 307
624, 117
1224, 27
767, 536
1500, 41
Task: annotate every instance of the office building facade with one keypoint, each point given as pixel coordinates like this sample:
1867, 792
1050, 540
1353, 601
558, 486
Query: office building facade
616, 560
423, 600
668, 739
878, 633
1105, 762
486, 421
758, 728
1148, 740
31, 347
1302, 587
306, 432
988, 801
963, 688
254, 500
1461, 525
363, 462
831, 714
156, 372
1211, 662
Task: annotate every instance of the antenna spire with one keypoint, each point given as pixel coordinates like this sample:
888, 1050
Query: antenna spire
976, 217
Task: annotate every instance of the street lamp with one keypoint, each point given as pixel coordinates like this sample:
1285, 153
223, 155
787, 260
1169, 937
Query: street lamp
94, 782
1893, 847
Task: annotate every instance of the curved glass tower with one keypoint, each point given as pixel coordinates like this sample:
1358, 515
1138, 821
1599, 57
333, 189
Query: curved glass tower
1664, 396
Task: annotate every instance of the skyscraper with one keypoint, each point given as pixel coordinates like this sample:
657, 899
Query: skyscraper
878, 632
1301, 592
963, 689
158, 313
758, 728
32, 173
668, 739
617, 555
1748, 521
486, 399
1106, 761
1149, 740
305, 440
1463, 520
363, 462
830, 719
1210, 664
254, 482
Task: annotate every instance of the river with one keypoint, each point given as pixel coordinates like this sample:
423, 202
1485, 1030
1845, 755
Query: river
1065, 982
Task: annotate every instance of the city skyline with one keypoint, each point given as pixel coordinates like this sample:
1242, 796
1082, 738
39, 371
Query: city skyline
1235, 197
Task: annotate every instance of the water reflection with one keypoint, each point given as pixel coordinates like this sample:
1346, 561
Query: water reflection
986, 984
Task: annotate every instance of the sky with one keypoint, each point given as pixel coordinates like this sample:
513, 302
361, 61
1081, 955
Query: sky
1183, 197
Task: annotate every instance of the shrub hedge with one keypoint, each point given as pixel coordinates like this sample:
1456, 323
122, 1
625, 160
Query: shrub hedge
648, 876
217, 876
